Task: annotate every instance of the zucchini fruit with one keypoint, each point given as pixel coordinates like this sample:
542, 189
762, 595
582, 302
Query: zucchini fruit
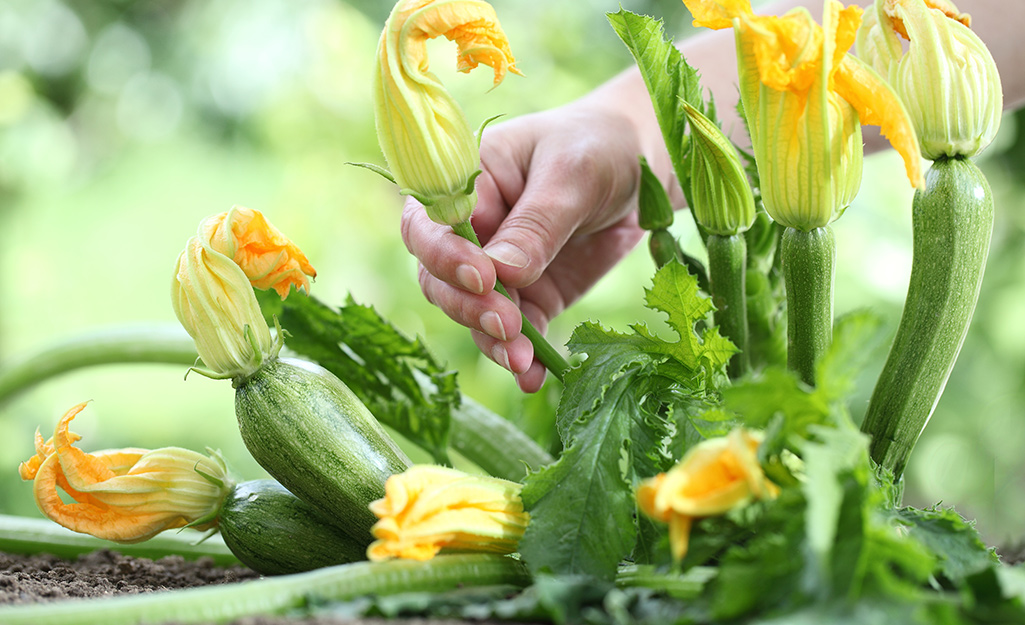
273, 532
952, 221
314, 436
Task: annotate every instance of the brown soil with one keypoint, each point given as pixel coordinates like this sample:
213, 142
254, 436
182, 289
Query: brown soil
27, 579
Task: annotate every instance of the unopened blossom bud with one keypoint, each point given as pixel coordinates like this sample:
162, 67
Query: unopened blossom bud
124, 495
722, 199
215, 303
947, 78
427, 509
431, 150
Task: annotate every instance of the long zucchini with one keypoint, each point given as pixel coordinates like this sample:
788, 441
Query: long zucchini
311, 433
273, 532
953, 223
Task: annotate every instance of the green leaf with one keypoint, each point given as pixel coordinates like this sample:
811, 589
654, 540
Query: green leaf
857, 336
613, 419
396, 377
581, 507
955, 542
669, 80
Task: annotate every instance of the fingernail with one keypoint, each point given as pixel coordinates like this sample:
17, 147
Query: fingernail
491, 323
470, 278
507, 254
501, 356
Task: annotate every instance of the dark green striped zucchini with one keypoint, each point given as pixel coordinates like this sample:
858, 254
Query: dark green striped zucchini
311, 433
952, 221
275, 533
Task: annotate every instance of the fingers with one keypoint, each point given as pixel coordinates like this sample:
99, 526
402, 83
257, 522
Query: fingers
446, 255
491, 314
517, 355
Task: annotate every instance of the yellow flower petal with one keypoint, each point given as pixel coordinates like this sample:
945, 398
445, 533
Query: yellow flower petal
717, 14
428, 509
714, 476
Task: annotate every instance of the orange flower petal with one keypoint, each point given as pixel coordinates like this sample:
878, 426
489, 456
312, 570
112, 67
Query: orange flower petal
91, 517
267, 257
878, 105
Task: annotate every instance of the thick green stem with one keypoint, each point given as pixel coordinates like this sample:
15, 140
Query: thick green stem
809, 265
952, 222
27, 535
727, 270
276, 595
148, 343
548, 355
486, 439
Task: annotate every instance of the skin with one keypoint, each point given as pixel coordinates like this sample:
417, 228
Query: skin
548, 240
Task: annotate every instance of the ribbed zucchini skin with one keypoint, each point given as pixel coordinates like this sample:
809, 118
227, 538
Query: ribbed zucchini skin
312, 434
275, 533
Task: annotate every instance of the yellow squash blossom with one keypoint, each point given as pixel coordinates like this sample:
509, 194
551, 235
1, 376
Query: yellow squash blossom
212, 291
946, 77
805, 100
124, 495
429, 508
715, 476
426, 139
267, 257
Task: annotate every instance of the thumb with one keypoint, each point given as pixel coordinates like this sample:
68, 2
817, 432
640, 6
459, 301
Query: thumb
556, 200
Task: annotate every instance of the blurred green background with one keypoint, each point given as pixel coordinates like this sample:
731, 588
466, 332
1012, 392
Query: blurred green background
124, 123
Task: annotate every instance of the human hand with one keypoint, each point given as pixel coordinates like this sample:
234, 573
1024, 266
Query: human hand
555, 212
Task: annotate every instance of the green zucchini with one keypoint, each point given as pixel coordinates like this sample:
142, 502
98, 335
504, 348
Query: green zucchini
809, 268
273, 532
313, 435
952, 221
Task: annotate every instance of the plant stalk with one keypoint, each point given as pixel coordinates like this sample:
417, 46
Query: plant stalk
952, 223
276, 595
727, 267
131, 344
488, 440
29, 536
809, 266
548, 355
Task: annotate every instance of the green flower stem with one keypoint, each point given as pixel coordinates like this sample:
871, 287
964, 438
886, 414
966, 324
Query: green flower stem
30, 536
952, 223
134, 344
727, 266
809, 266
276, 595
548, 355
488, 440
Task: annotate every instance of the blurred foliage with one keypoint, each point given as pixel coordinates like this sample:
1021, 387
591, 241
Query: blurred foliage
124, 123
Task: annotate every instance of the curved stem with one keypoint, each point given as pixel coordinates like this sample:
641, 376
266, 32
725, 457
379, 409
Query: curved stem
548, 355
809, 265
488, 440
146, 343
28, 535
952, 222
727, 266
276, 595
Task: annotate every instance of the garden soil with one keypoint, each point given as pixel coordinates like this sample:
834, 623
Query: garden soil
28, 579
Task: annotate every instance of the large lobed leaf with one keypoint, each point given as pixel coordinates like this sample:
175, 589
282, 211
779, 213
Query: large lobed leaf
615, 425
